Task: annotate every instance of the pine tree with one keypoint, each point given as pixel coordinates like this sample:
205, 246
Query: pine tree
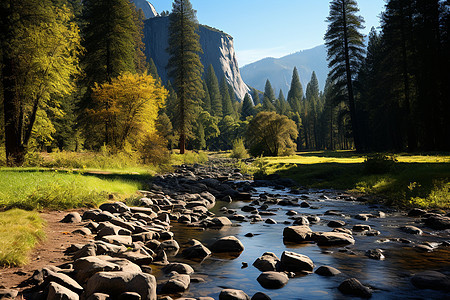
247, 107
214, 92
227, 106
295, 94
153, 70
110, 37
184, 64
206, 100
268, 92
256, 98
345, 52
281, 104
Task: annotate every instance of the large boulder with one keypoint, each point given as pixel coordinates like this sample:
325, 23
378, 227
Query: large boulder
110, 229
178, 283
63, 280
297, 234
267, 262
198, 251
227, 244
327, 271
116, 283
179, 268
116, 207
72, 217
57, 292
411, 230
431, 280
85, 267
438, 222
295, 262
273, 280
333, 238
353, 287
231, 294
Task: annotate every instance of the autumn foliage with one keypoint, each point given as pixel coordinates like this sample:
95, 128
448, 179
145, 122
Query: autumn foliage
126, 109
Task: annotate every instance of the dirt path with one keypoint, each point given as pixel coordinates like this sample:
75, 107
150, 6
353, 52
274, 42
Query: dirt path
50, 251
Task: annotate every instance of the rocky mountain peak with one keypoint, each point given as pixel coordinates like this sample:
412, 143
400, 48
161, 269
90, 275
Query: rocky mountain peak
148, 8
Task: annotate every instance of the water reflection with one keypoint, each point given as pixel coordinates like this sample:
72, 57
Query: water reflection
390, 278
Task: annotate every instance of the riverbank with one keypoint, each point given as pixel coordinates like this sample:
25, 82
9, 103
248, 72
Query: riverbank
209, 223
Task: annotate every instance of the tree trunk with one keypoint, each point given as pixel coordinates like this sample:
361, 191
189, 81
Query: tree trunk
182, 143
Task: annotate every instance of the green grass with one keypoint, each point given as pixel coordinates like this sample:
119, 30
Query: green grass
19, 232
190, 157
43, 189
414, 180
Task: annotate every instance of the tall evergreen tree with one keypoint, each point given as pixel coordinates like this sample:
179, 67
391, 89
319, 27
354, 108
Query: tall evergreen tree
227, 106
255, 95
247, 107
281, 105
345, 52
295, 94
214, 92
184, 64
206, 100
268, 92
110, 37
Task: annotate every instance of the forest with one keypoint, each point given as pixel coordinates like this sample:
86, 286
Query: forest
74, 78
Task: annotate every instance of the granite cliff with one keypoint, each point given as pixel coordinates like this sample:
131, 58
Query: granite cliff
218, 50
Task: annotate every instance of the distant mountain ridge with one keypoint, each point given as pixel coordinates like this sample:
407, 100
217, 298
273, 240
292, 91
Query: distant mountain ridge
279, 70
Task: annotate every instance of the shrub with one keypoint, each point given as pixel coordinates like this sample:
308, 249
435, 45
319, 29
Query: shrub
379, 163
239, 150
154, 150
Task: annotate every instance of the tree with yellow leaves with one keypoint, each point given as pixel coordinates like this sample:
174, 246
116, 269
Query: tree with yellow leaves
39, 51
126, 109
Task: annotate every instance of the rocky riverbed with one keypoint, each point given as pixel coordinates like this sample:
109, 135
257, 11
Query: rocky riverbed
209, 232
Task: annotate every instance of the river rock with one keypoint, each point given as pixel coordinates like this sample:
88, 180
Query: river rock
438, 222
270, 221
118, 240
220, 222
327, 271
375, 254
72, 217
301, 221
178, 283
416, 212
291, 213
273, 280
353, 287
411, 230
231, 294
361, 227
99, 296
57, 292
64, 280
116, 207
196, 251
111, 230
333, 239
297, 234
260, 296
313, 219
180, 268
431, 280
267, 262
336, 223
85, 267
8, 293
343, 230
362, 217
294, 262
116, 283
129, 296
139, 257
82, 231
227, 244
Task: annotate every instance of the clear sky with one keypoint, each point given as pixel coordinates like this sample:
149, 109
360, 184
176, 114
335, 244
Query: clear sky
264, 28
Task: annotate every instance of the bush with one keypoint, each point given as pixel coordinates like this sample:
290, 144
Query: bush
379, 163
154, 150
239, 150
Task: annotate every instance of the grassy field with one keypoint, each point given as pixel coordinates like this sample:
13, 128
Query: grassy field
413, 180
19, 232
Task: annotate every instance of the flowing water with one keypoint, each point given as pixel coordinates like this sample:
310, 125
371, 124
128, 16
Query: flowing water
389, 278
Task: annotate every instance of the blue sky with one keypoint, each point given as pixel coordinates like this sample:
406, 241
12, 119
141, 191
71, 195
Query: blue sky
263, 28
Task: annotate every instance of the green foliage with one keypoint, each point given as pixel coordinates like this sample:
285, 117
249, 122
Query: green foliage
295, 95
40, 48
184, 65
57, 190
214, 92
345, 46
239, 151
109, 39
190, 158
153, 150
227, 105
270, 134
20, 231
247, 107
379, 163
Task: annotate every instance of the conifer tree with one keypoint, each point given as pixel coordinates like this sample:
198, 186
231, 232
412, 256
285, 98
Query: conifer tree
152, 69
247, 107
206, 100
345, 52
268, 92
295, 94
256, 98
214, 92
110, 36
227, 106
184, 65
